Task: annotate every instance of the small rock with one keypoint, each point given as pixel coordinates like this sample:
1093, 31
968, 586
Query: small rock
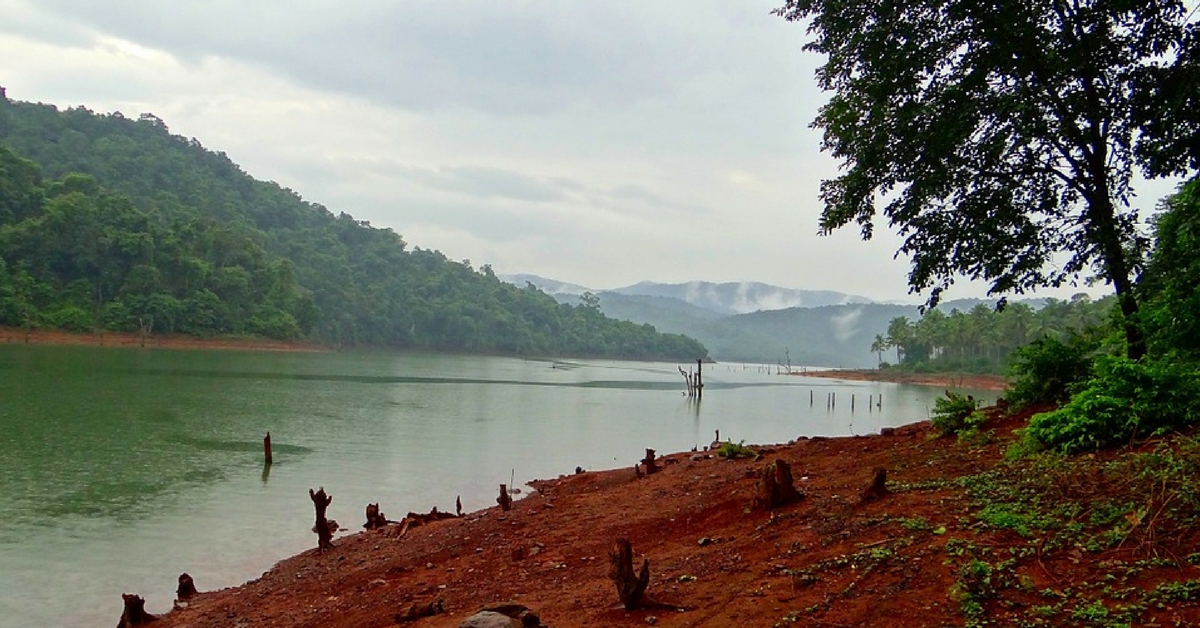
705, 541
652, 620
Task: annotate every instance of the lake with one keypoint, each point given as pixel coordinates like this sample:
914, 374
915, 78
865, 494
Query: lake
123, 468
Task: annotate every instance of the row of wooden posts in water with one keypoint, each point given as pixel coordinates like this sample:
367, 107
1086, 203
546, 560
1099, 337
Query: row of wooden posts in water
873, 402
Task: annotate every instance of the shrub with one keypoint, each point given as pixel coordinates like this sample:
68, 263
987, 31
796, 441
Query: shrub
70, 318
954, 413
739, 450
1123, 401
1047, 370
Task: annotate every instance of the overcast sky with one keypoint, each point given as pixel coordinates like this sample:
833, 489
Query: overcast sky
599, 143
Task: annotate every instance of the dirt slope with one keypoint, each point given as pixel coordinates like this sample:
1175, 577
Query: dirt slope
917, 557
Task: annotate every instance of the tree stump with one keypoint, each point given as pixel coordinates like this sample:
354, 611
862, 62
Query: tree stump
187, 587
135, 612
324, 531
775, 487
267, 448
375, 517
878, 488
458, 505
504, 500
418, 611
648, 462
630, 587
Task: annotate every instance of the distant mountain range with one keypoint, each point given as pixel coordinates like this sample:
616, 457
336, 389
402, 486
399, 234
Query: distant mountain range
755, 322
723, 298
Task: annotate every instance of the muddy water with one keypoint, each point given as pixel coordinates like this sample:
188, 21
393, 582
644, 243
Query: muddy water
121, 468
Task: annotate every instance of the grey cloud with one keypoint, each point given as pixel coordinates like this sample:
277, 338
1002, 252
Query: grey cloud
477, 181
499, 58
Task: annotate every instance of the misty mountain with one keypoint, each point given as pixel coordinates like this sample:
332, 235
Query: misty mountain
549, 286
723, 298
830, 335
836, 329
740, 297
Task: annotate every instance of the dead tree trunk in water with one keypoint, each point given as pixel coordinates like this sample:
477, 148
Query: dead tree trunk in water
699, 380
267, 448
321, 502
687, 380
135, 612
630, 587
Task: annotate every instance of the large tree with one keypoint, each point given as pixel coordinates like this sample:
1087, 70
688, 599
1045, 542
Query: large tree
1001, 138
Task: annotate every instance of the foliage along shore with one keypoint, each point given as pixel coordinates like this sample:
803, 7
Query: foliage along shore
16, 335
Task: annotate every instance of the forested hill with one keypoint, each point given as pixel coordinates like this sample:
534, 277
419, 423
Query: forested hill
108, 222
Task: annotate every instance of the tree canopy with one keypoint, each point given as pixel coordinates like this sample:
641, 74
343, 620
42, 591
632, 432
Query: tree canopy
1001, 138
112, 223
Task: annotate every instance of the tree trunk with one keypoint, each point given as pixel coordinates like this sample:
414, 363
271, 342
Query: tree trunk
878, 488
630, 587
187, 587
135, 612
504, 500
649, 463
375, 518
321, 502
775, 487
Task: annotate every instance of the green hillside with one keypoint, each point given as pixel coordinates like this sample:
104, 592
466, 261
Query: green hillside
113, 223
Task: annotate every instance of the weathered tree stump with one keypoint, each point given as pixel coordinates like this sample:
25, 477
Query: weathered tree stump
267, 448
419, 611
630, 587
878, 488
504, 500
648, 462
324, 531
458, 505
187, 587
433, 515
775, 487
375, 518
135, 612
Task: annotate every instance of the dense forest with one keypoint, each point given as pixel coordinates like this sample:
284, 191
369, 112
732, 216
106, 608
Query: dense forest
113, 223
983, 339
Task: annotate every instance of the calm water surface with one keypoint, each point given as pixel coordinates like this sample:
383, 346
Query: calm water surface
122, 468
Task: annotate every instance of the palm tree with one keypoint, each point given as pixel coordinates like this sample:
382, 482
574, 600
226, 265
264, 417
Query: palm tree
879, 345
